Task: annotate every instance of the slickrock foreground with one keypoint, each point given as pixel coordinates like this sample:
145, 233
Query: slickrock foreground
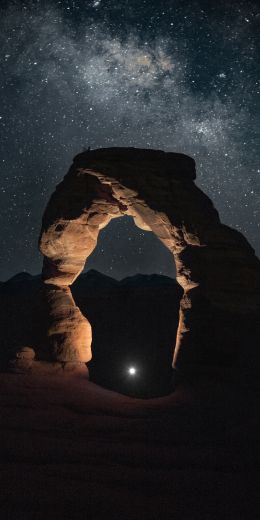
72, 450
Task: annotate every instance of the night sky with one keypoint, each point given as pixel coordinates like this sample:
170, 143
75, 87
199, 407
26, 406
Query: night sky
173, 75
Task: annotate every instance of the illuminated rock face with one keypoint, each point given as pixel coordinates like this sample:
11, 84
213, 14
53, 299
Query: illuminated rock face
216, 266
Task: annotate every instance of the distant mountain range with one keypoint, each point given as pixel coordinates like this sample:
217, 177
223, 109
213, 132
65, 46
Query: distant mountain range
91, 281
95, 278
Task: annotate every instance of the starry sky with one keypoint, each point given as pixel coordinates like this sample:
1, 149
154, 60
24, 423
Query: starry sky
168, 74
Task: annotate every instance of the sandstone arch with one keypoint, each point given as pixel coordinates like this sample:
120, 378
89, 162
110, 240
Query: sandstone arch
216, 266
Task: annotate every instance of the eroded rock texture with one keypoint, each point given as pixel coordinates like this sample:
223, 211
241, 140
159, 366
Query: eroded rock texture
216, 266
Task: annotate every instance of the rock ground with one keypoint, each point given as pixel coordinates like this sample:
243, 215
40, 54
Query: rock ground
73, 450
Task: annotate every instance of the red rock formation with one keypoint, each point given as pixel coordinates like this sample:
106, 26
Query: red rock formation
216, 266
69, 332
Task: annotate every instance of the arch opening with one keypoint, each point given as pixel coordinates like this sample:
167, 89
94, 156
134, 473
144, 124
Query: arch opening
134, 320
125, 250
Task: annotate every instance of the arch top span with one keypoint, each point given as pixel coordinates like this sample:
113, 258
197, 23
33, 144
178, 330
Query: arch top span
215, 264
154, 187
177, 165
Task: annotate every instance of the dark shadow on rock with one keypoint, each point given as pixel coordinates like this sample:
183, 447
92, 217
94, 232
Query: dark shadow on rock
23, 317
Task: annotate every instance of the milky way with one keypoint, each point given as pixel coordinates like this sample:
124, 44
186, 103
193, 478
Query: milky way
153, 74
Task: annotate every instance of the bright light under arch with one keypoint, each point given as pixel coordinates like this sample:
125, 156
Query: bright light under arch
132, 371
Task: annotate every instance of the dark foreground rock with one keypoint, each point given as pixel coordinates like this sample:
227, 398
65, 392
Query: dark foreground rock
72, 450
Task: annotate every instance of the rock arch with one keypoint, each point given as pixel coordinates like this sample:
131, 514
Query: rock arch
216, 266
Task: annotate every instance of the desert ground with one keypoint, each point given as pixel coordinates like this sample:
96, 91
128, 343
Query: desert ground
72, 449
